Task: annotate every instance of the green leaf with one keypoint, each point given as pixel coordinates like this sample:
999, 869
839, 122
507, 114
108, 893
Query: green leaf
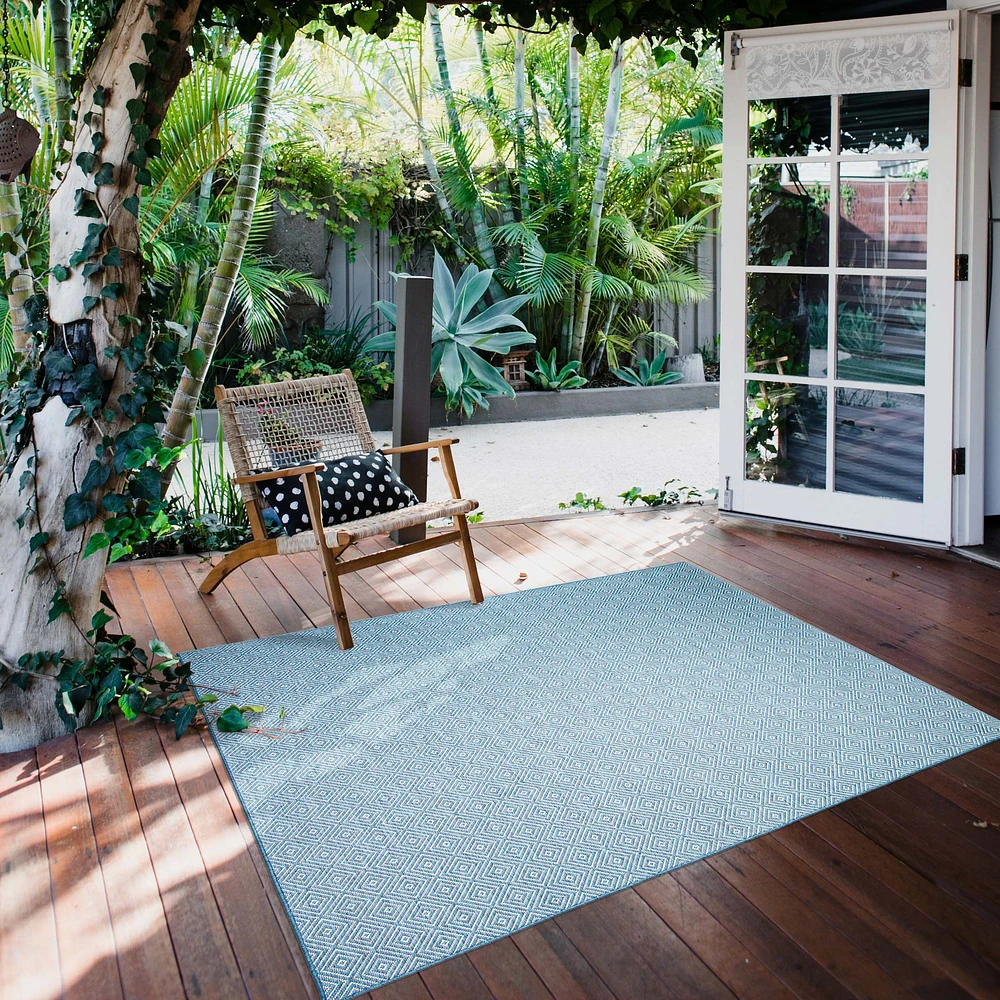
113, 258
89, 301
231, 720
194, 360
184, 719
417, 9
37, 541
106, 175
97, 475
125, 704
100, 96
77, 511
86, 162
96, 543
60, 272
131, 205
138, 71
135, 107
160, 648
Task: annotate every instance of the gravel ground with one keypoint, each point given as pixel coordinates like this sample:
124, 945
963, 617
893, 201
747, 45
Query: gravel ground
527, 469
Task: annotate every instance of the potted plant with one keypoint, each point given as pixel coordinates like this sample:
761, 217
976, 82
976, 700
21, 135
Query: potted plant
285, 444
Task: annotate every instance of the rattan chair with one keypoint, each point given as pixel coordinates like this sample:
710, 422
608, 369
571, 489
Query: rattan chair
292, 429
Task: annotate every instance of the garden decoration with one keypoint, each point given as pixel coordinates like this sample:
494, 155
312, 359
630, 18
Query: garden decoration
18, 139
298, 428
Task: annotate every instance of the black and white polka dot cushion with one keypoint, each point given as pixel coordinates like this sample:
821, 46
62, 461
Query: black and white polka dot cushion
355, 487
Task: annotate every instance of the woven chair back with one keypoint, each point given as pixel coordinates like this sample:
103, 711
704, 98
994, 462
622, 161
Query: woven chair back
286, 424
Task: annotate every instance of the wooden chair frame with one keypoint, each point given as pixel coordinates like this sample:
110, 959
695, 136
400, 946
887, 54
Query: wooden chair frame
333, 542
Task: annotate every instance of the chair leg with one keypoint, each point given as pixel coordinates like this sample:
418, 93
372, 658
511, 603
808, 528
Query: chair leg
469, 559
246, 552
336, 597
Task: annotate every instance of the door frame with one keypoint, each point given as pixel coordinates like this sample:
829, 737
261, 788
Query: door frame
871, 517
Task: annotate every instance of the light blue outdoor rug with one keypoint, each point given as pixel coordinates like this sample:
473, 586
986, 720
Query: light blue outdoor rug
468, 771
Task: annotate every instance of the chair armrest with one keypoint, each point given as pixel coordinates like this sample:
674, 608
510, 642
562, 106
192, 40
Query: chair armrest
299, 470
422, 446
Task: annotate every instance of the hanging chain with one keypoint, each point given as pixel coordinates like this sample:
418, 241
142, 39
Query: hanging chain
6, 55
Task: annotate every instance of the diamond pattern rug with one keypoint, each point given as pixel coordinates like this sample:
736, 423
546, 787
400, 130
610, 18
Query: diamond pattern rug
467, 771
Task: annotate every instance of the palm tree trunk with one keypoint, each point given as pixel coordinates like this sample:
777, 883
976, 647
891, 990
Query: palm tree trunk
573, 114
500, 172
14, 264
519, 116
479, 227
611, 112
220, 292
59, 18
187, 309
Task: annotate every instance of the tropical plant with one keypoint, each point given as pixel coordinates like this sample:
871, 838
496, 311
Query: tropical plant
670, 496
548, 374
583, 502
460, 333
648, 372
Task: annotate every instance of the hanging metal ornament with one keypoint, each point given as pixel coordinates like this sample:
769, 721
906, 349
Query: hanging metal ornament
18, 139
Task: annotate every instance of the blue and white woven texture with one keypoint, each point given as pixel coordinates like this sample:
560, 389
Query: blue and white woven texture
465, 772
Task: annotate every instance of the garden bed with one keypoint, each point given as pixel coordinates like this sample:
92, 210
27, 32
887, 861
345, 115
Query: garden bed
534, 405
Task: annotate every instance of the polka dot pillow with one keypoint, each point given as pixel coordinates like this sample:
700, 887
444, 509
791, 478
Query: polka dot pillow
355, 487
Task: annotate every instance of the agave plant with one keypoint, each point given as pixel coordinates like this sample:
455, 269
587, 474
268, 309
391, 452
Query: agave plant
649, 373
460, 333
549, 376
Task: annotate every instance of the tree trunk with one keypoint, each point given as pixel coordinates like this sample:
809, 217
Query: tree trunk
220, 292
479, 227
62, 51
187, 310
573, 147
521, 155
502, 176
611, 112
14, 264
62, 453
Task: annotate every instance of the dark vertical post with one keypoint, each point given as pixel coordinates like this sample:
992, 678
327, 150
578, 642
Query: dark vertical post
411, 404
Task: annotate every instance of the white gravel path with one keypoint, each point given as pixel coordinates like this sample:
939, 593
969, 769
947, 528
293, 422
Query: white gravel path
528, 468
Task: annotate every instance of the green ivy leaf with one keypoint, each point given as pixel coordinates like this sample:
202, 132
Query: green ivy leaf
89, 301
96, 543
113, 290
135, 108
86, 161
184, 719
97, 475
37, 541
91, 268
138, 72
125, 704
194, 360
60, 272
113, 258
131, 205
106, 175
231, 720
77, 511
100, 97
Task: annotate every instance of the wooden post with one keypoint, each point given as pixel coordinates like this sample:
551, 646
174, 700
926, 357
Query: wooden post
411, 404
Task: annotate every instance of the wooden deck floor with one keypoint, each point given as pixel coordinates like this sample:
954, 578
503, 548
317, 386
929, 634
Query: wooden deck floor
127, 868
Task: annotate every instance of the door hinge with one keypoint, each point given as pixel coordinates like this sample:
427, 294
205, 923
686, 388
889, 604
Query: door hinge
961, 267
965, 72
735, 44
958, 461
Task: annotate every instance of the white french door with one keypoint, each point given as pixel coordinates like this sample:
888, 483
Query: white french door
838, 271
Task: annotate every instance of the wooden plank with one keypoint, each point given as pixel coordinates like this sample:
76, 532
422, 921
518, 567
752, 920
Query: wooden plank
264, 959
205, 956
29, 953
565, 972
802, 974
665, 953
79, 894
263, 872
220, 604
456, 979
723, 953
843, 959
120, 586
929, 848
168, 626
145, 952
201, 627
903, 960
506, 972
977, 933
896, 910
626, 973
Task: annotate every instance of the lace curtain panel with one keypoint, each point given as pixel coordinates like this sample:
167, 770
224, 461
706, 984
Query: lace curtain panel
846, 64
